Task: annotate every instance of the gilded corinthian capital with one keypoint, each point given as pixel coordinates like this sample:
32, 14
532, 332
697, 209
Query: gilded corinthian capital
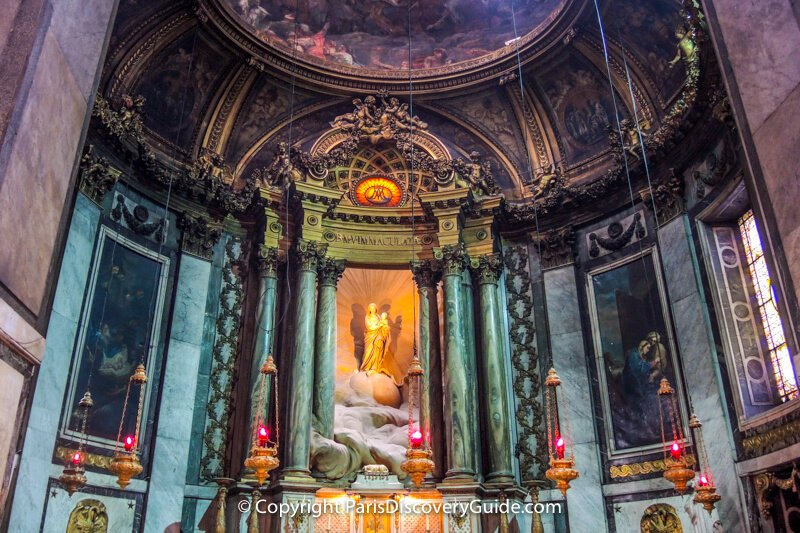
267, 261
426, 273
309, 253
453, 259
486, 268
330, 271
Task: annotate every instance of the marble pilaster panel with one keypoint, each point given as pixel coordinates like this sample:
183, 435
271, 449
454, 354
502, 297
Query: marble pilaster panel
570, 361
31, 487
700, 368
178, 390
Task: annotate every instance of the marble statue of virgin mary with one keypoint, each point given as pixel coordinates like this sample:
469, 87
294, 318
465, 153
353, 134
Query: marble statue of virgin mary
377, 357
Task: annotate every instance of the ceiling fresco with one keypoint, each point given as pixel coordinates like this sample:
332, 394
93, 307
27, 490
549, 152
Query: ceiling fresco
178, 83
268, 101
197, 81
580, 97
490, 113
373, 34
649, 30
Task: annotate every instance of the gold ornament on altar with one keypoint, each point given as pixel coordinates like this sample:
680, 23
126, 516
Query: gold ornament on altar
562, 461
73, 477
705, 490
263, 457
125, 464
678, 471
419, 462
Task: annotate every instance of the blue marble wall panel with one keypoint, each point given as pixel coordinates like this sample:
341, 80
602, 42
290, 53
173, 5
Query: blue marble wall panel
168, 478
569, 360
31, 488
700, 365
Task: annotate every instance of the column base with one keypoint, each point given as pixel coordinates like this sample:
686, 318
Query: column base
301, 475
459, 477
499, 479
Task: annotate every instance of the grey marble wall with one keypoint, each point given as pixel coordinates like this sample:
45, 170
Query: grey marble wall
179, 387
700, 365
51, 54
45, 131
757, 43
569, 359
31, 487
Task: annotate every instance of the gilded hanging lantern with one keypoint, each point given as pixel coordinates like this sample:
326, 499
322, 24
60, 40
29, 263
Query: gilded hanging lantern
125, 464
263, 457
676, 462
419, 462
562, 458
705, 490
73, 477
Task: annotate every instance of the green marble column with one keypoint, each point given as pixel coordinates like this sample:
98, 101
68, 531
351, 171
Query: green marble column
427, 275
461, 415
329, 272
468, 326
494, 367
265, 324
301, 380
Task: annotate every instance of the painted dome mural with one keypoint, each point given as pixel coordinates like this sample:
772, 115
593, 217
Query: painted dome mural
372, 35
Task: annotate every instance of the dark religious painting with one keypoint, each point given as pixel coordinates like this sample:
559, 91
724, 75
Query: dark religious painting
650, 30
373, 34
490, 113
634, 351
122, 313
582, 102
177, 84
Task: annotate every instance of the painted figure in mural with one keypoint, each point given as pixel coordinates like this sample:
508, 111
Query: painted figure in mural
376, 340
644, 367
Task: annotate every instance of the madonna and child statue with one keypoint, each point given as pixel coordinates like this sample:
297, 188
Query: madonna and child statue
379, 374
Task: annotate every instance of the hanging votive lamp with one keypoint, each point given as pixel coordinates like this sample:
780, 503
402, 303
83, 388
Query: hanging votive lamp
418, 463
705, 491
676, 462
73, 477
263, 456
125, 464
562, 461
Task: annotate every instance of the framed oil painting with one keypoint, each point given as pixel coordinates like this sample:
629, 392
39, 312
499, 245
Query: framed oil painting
122, 313
634, 349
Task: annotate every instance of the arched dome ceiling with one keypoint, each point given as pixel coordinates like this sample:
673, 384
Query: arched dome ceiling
211, 84
372, 36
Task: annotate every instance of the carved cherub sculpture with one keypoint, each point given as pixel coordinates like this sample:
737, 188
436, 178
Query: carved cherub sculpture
686, 45
546, 178
282, 172
476, 175
632, 134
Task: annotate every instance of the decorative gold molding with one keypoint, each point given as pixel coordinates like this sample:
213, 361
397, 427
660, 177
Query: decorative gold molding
92, 459
646, 467
767, 440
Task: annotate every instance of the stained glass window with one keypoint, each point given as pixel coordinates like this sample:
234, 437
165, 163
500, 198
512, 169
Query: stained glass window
779, 355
